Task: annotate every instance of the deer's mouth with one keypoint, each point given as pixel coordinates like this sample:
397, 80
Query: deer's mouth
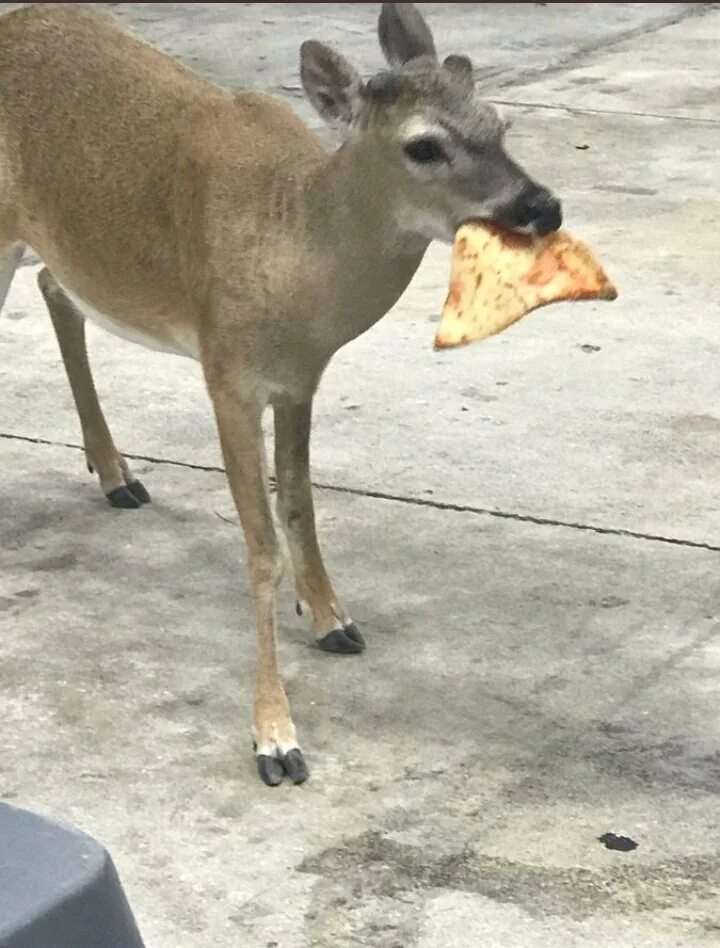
535, 212
510, 236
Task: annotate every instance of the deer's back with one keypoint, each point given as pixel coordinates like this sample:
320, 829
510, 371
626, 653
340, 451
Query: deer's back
104, 141
89, 117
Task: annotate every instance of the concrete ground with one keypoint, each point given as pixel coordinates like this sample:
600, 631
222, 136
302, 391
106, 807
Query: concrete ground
528, 532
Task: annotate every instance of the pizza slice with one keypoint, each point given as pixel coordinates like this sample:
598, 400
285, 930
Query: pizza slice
500, 276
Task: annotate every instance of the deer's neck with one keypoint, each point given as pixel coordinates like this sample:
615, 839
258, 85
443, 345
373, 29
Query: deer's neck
367, 260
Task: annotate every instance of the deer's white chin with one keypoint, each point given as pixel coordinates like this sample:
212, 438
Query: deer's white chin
425, 225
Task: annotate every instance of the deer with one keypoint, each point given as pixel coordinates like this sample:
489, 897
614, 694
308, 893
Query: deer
217, 226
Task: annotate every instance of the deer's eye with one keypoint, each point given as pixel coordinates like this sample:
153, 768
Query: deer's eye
425, 151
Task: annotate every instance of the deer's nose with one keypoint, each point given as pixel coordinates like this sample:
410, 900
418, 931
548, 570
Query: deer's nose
538, 210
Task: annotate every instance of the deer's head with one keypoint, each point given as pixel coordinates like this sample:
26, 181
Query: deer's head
420, 126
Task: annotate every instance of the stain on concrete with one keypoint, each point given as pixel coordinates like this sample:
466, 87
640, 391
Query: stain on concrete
632, 759
620, 844
696, 424
49, 564
340, 916
625, 189
613, 89
178, 703
27, 593
477, 395
19, 600
379, 866
608, 602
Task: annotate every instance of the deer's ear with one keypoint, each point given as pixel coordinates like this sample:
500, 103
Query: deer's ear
404, 34
461, 68
331, 83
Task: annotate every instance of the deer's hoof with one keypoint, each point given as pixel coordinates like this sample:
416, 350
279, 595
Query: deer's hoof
273, 770
270, 769
128, 496
345, 641
138, 490
123, 498
295, 766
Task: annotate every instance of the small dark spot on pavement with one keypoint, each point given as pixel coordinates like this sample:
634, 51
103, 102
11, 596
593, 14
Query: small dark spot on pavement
608, 728
588, 347
613, 89
608, 602
622, 844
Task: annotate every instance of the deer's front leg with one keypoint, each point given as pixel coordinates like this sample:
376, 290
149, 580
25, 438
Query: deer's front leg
239, 424
333, 627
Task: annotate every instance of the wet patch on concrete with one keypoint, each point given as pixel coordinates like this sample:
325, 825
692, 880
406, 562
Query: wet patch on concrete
579, 760
377, 866
18, 601
697, 424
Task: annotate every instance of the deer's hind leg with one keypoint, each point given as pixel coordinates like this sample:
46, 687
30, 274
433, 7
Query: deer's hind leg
121, 488
334, 629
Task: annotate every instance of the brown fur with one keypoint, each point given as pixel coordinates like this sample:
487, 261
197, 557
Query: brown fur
219, 225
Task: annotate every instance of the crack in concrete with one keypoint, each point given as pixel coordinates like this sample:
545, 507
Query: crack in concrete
575, 110
410, 501
575, 58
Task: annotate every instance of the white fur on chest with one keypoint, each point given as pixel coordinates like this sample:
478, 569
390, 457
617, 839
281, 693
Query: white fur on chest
182, 341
